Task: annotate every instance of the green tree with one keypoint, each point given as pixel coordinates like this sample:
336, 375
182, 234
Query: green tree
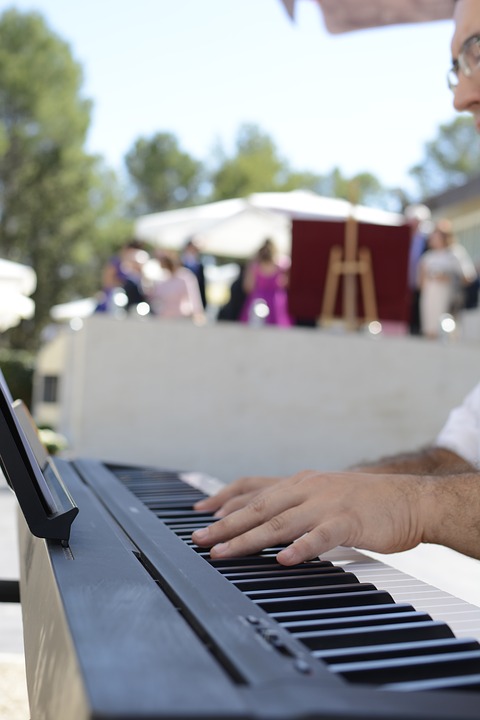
48, 184
363, 188
450, 159
255, 166
163, 176
111, 229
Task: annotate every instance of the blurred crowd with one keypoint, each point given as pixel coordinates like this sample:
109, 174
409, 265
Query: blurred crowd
442, 281
168, 284
164, 283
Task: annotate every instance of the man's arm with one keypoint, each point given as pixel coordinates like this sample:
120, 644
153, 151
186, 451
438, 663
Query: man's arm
454, 516
427, 461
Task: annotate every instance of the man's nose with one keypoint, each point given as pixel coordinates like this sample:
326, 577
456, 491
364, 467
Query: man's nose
467, 93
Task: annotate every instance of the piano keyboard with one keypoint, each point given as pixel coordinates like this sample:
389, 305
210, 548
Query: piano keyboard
370, 623
132, 620
461, 616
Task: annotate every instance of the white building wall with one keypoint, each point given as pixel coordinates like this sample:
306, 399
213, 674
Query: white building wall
51, 359
231, 400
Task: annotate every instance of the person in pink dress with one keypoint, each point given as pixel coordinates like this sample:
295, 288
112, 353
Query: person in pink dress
266, 280
174, 294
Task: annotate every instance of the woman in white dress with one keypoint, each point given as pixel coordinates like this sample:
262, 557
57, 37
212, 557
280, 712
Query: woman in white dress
440, 273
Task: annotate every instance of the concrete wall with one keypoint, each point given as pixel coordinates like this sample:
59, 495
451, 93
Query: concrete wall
50, 362
231, 400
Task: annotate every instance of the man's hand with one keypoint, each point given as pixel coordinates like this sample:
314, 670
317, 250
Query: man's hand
315, 512
235, 495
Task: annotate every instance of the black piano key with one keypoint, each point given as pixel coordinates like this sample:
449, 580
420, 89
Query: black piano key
401, 649
329, 584
340, 612
267, 554
157, 508
273, 573
259, 564
185, 532
466, 682
425, 667
205, 553
254, 563
291, 582
171, 516
156, 494
374, 635
365, 594
202, 552
185, 526
183, 499
385, 618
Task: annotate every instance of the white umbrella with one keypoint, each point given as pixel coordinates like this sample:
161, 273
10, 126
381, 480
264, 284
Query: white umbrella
75, 309
20, 278
17, 282
347, 15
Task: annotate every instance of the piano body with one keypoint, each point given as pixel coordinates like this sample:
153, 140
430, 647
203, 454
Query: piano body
129, 620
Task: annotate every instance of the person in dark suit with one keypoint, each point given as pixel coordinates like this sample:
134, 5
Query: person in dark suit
191, 259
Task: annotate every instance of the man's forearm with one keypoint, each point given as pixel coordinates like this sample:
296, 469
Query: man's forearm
428, 461
451, 512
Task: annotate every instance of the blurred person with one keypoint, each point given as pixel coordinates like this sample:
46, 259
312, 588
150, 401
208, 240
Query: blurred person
191, 259
467, 284
123, 271
266, 279
443, 269
430, 496
418, 218
174, 292
233, 307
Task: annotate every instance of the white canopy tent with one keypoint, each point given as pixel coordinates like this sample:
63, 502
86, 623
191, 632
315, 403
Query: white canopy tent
236, 228
230, 228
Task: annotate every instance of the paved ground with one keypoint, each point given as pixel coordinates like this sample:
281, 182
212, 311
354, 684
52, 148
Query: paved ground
13, 691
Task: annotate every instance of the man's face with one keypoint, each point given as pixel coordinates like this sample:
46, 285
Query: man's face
467, 24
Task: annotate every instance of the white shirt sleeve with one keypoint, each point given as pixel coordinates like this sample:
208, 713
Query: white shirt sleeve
461, 432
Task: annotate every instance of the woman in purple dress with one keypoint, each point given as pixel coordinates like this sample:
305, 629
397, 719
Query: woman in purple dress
266, 280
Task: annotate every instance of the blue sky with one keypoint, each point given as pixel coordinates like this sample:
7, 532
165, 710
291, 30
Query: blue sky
199, 68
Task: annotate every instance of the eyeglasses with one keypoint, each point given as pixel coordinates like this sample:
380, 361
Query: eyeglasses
468, 61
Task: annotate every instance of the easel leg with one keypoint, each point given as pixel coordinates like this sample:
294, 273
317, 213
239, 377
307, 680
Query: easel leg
368, 286
331, 286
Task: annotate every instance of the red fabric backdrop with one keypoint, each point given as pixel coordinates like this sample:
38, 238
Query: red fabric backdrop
312, 241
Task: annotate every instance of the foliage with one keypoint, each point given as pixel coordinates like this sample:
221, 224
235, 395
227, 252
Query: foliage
53, 441
110, 231
164, 177
450, 159
363, 188
255, 166
17, 368
49, 187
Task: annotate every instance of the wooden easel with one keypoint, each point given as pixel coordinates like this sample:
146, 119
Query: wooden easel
349, 263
